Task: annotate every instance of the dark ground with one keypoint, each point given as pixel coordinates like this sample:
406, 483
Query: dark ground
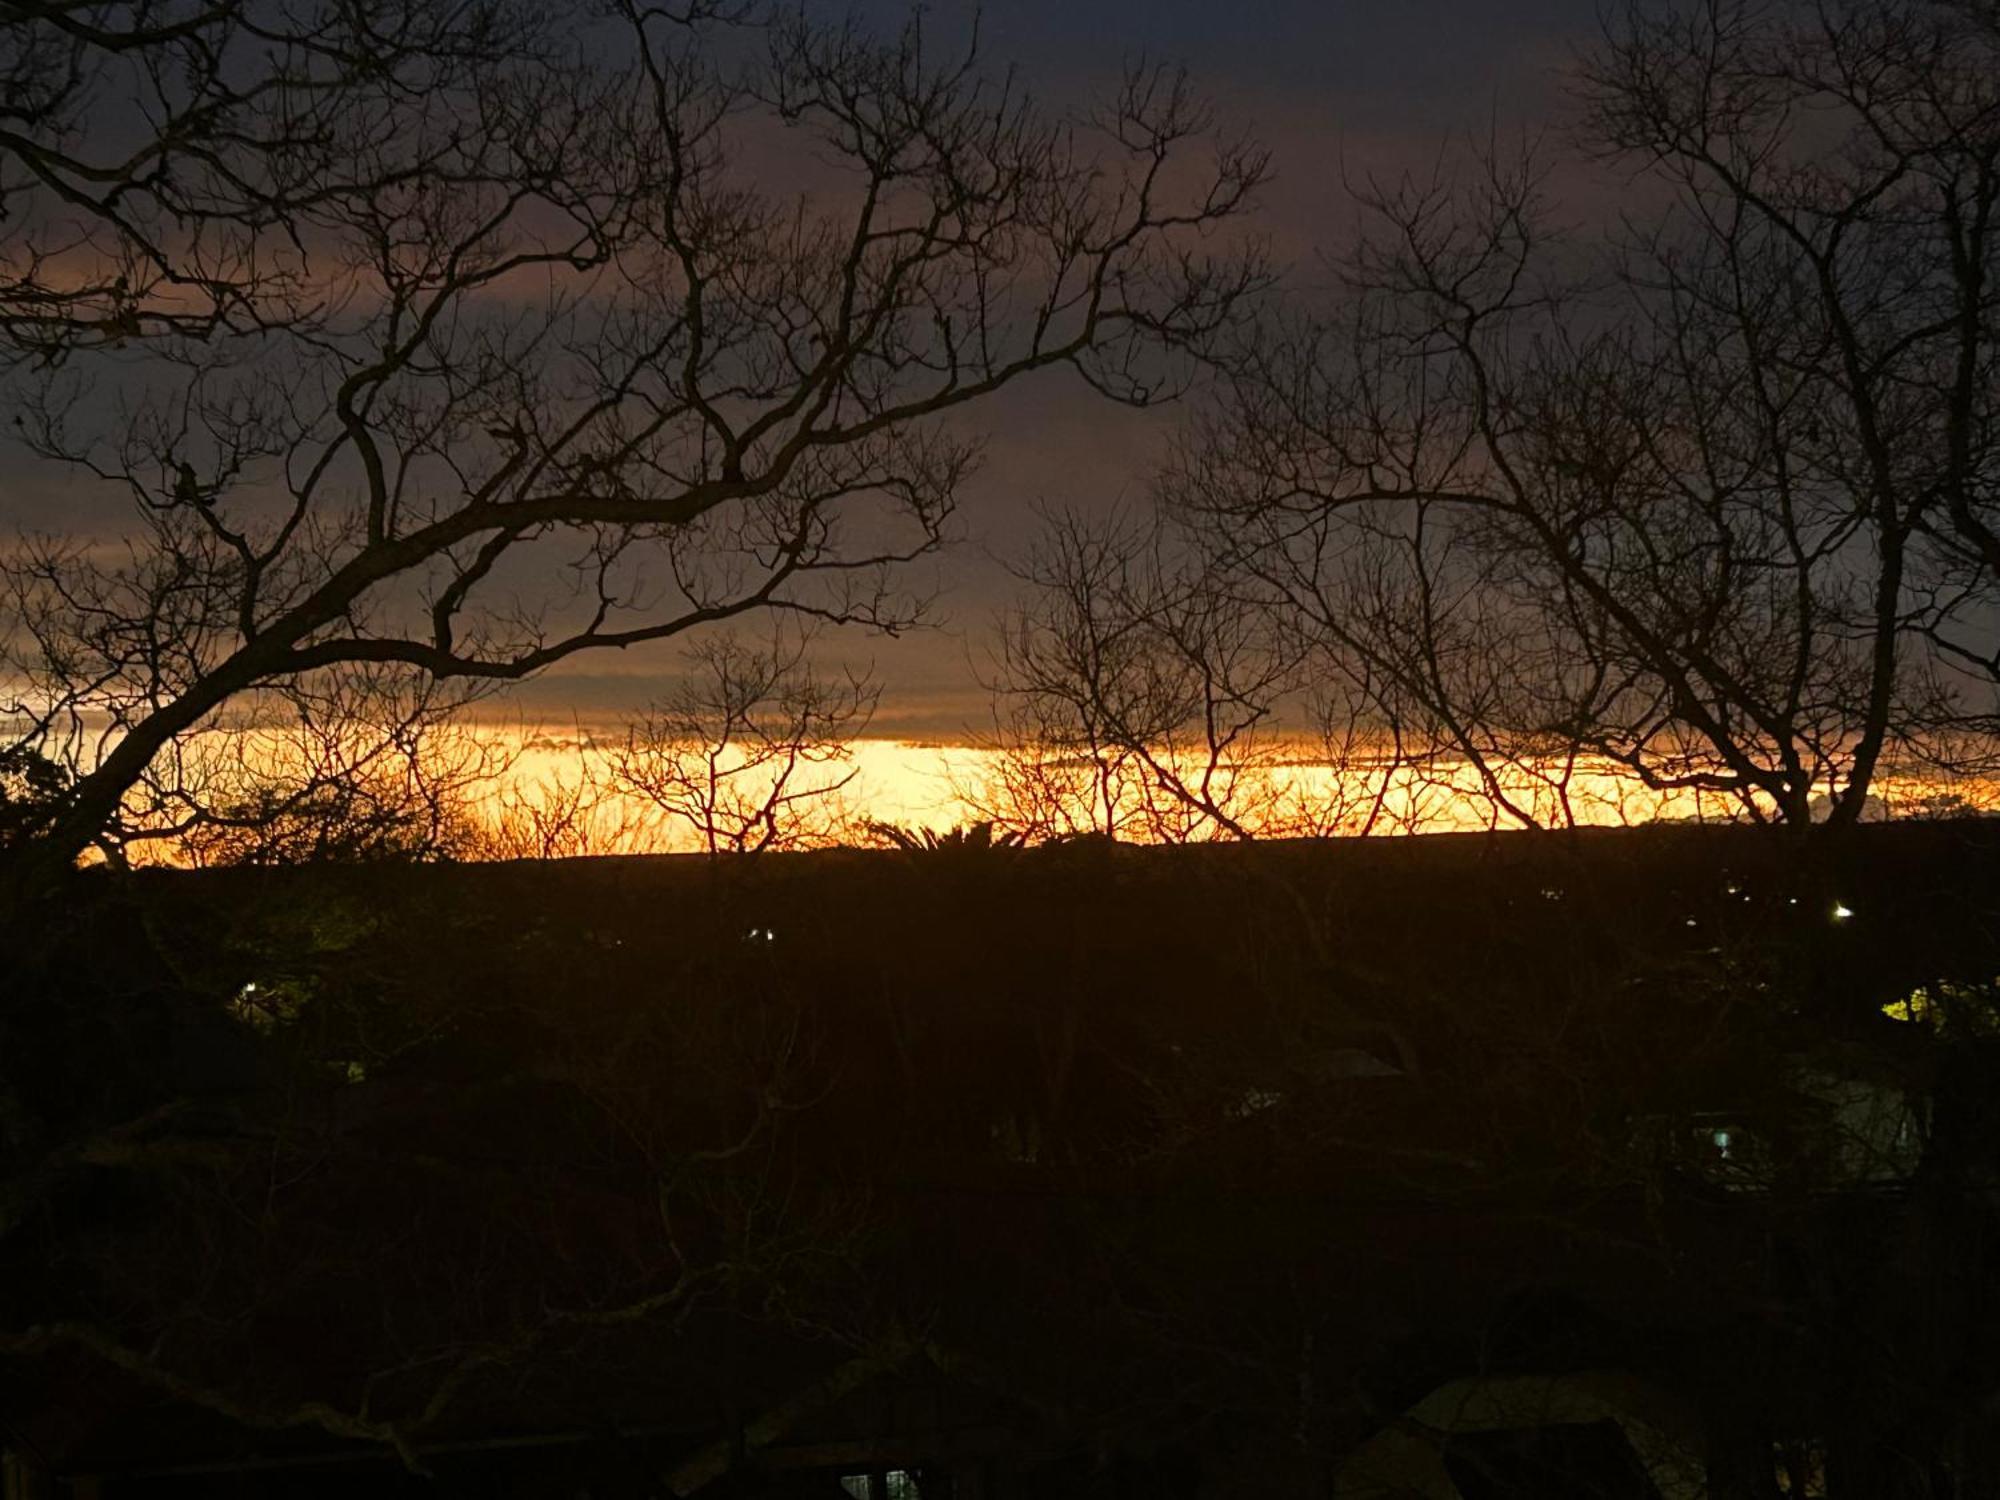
1082, 1170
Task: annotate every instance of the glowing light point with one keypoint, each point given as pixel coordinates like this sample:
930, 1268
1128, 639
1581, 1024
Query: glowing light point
1841, 912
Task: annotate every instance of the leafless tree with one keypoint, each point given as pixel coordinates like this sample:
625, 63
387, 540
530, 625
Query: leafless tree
1700, 505
1141, 694
1147, 687
161, 162
670, 317
1077, 683
1843, 163
752, 749
358, 769
571, 812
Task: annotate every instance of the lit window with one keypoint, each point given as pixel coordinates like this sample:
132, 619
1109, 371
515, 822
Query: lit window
896, 1484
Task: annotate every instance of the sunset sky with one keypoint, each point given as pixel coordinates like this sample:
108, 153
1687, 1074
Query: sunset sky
1330, 86
1368, 85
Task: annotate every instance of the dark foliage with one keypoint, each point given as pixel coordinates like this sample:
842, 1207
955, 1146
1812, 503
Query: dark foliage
1104, 1166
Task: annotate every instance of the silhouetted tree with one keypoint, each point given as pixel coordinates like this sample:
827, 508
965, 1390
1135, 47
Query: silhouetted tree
574, 811
1130, 692
548, 316
1143, 692
31, 789
752, 749
1701, 503
969, 839
353, 764
167, 169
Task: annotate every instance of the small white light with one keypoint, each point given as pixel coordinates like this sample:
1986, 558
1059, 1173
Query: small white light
1840, 912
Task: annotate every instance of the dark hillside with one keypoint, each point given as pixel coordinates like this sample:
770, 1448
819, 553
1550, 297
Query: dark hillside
1071, 1169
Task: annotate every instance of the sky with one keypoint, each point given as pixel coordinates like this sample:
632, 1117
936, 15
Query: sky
1330, 86
1333, 87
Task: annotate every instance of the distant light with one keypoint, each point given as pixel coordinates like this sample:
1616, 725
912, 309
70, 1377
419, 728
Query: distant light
1918, 1006
1841, 912
1255, 1101
761, 935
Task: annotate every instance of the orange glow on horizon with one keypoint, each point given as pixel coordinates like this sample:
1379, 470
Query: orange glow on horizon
524, 792
940, 786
